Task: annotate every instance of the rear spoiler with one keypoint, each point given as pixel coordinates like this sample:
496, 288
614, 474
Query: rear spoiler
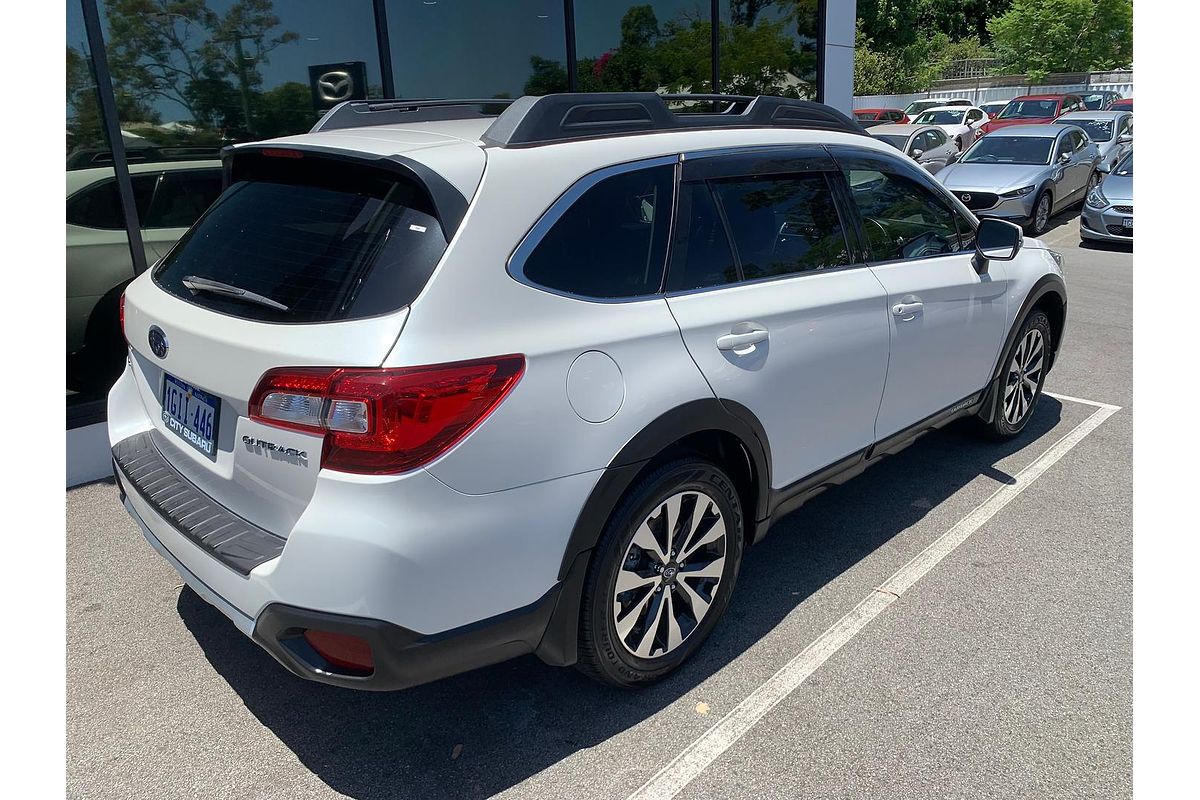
448, 202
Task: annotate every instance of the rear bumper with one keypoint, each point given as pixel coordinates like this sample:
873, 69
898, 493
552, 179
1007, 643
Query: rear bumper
403, 658
449, 581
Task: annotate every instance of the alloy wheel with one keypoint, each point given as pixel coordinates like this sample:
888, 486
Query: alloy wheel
1043, 213
670, 574
1024, 377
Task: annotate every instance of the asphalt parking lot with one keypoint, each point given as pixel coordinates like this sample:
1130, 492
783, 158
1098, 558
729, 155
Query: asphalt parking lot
1003, 671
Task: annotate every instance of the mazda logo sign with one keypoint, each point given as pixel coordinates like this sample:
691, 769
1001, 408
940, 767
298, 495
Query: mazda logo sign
966, 198
334, 87
158, 341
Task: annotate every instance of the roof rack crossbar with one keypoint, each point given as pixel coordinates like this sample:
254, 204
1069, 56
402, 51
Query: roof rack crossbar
530, 121
364, 113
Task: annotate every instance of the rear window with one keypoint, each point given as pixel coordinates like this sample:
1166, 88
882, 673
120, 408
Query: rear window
308, 240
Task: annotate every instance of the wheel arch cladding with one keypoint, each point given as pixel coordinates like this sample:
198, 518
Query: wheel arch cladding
1049, 295
725, 432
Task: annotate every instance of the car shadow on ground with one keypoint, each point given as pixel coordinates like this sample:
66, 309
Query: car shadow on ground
477, 734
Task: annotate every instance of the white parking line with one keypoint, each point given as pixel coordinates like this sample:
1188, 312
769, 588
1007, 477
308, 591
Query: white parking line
696, 757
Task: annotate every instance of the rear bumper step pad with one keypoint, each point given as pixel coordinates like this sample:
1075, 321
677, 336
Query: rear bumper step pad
236, 543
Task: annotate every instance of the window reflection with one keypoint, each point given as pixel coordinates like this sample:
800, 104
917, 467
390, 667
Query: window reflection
477, 48
769, 47
665, 45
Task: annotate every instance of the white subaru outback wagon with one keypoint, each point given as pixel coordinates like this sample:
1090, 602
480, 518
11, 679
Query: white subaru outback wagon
441, 383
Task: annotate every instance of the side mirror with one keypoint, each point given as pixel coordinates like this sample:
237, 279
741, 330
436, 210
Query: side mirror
1125, 138
1064, 158
1104, 166
917, 153
954, 157
998, 240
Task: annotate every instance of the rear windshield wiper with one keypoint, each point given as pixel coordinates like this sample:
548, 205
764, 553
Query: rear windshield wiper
197, 284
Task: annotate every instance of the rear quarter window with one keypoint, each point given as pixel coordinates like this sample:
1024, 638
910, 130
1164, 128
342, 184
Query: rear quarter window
322, 240
610, 243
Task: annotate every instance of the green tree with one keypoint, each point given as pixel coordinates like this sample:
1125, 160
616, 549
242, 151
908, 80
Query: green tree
284, 110
1043, 36
959, 19
547, 76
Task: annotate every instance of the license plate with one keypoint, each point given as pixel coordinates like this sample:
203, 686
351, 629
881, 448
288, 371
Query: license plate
191, 414
1127, 222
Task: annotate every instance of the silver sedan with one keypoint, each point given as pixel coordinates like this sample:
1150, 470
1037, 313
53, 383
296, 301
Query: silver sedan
928, 145
1108, 213
1112, 131
1025, 173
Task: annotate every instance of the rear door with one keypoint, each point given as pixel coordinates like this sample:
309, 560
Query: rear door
329, 254
946, 321
775, 306
1075, 170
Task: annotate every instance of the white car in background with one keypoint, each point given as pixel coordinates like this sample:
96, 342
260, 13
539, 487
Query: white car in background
961, 123
169, 197
917, 106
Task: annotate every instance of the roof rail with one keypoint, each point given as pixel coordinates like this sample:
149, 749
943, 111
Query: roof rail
550, 118
362, 113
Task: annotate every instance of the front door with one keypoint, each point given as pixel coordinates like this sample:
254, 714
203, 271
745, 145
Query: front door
774, 307
946, 321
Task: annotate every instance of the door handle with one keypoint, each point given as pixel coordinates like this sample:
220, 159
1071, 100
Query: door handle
908, 309
743, 335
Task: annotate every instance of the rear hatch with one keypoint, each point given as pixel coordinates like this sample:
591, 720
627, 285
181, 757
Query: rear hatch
306, 260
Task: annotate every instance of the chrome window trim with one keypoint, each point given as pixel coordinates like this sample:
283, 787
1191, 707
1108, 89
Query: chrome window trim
515, 266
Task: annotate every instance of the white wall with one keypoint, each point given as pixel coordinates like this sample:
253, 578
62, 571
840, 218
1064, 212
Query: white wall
88, 454
985, 93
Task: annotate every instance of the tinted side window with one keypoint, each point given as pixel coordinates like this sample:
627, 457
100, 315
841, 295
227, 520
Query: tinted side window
1065, 144
700, 255
783, 225
612, 241
99, 205
936, 139
182, 197
902, 219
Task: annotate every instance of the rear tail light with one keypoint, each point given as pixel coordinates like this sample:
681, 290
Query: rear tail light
385, 421
342, 650
121, 316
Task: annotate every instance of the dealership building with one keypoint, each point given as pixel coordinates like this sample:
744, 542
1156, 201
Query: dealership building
156, 88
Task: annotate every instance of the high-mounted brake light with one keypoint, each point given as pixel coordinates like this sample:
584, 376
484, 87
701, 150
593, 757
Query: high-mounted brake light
279, 152
385, 421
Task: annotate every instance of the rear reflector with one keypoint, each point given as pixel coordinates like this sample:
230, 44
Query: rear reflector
342, 650
385, 421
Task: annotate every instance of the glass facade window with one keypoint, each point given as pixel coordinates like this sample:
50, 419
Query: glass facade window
476, 48
770, 47
664, 45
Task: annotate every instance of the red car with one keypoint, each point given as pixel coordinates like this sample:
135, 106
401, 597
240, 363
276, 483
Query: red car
1124, 104
880, 115
1034, 109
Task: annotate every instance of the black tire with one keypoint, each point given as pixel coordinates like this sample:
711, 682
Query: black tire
1035, 227
603, 654
959, 142
1093, 181
1006, 425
